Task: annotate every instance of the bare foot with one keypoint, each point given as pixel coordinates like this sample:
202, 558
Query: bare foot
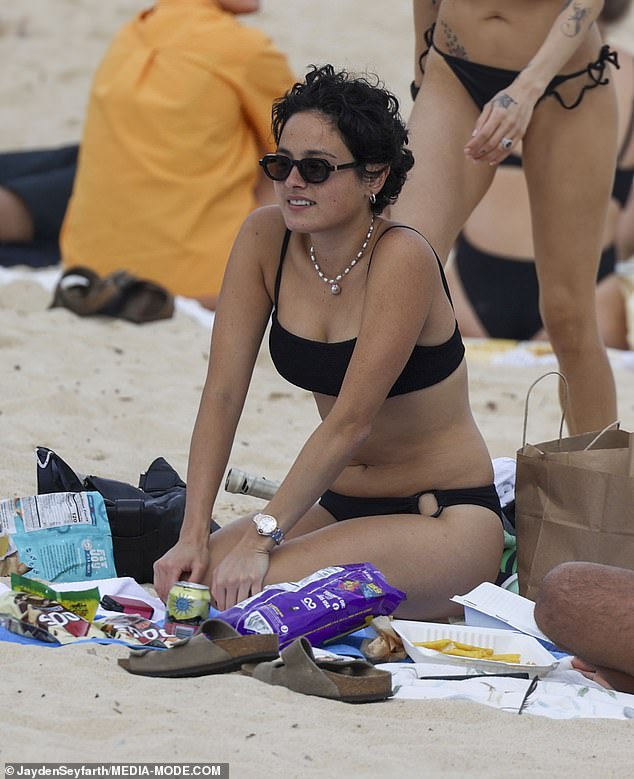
590, 672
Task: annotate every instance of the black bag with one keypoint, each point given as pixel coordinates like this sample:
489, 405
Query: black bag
145, 522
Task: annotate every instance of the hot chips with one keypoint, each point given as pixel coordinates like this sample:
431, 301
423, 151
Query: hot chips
448, 647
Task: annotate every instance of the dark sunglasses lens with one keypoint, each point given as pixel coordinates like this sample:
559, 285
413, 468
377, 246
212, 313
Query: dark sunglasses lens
277, 167
314, 170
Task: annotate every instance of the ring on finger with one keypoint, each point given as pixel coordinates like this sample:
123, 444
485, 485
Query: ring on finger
506, 143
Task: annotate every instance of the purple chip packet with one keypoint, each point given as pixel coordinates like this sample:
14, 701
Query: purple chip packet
325, 605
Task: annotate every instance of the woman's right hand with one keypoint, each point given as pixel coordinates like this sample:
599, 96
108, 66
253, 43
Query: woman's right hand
501, 126
184, 561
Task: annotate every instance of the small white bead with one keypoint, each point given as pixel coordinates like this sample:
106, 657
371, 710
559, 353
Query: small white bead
335, 288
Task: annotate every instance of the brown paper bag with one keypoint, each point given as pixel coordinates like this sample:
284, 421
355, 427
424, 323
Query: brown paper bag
574, 500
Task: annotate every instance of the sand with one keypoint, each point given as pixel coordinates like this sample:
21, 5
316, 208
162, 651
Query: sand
110, 396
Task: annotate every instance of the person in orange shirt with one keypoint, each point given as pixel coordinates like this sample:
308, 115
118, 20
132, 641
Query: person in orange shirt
179, 114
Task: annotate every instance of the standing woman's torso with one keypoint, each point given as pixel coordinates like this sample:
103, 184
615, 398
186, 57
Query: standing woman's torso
504, 33
512, 236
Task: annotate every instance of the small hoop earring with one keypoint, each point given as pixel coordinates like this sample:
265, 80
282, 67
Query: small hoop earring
372, 198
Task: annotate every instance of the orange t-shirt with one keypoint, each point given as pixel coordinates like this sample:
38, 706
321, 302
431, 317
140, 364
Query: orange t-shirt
179, 113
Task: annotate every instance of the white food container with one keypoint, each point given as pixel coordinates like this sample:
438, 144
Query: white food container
534, 659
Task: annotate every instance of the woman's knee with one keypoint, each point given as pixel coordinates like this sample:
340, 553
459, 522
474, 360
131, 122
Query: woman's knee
568, 319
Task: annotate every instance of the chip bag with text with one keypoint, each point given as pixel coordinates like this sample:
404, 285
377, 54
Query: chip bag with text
325, 605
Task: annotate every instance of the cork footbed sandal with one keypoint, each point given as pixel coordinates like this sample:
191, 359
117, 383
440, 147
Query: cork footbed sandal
348, 680
120, 295
217, 648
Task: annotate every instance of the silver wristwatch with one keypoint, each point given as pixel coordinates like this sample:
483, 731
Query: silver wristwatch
266, 525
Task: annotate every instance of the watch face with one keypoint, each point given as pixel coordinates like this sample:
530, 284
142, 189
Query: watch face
266, 524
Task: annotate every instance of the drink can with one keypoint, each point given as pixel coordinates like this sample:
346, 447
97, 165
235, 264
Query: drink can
187, 608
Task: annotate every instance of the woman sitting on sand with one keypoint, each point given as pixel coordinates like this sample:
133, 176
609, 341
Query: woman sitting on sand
397, 472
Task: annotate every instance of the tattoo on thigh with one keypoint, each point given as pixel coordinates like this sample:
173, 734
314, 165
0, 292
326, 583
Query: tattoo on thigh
573, 24
454, 47
504, 100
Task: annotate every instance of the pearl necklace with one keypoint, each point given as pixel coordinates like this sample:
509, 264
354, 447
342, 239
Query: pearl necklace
335, 287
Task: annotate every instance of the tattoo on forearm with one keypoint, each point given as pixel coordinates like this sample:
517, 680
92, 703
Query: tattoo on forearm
504, 100
454, 47
573, 24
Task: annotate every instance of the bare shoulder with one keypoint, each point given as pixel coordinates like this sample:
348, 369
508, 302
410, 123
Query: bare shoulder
260, 236
398, 243
263, 223
257, 247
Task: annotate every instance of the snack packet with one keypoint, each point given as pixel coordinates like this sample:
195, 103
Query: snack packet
9, 560
82, 602
61, 536
43, 618
325, 605
136, 630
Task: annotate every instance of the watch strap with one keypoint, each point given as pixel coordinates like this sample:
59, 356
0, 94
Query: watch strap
277, 534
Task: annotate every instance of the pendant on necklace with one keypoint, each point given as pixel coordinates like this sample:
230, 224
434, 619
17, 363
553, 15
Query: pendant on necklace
333, 283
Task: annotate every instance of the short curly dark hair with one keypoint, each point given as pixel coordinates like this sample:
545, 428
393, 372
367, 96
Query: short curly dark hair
365, 114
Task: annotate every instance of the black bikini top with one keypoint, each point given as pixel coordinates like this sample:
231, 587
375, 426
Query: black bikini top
319, 366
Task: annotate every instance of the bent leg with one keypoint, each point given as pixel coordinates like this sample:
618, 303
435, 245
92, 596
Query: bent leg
16, 222
569, 161
444, 186
586, 609
430, 559
35, 187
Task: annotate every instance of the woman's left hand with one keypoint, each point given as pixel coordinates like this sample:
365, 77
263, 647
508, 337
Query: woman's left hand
501, 126
239, 575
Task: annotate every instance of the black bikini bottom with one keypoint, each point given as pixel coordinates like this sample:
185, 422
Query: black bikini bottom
348, 507
483, 82
504, 291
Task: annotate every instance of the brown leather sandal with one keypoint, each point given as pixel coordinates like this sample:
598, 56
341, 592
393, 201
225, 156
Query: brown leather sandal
120, 295
348, 680
217, 648
83, 292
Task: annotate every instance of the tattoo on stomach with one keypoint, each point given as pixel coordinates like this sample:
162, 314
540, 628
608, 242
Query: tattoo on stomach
454, 47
